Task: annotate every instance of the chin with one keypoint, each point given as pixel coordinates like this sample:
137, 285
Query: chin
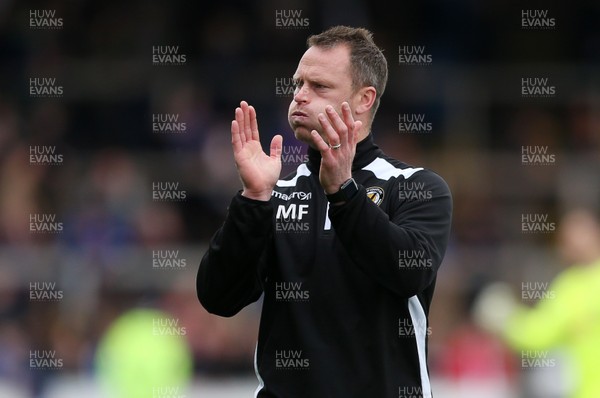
302, 134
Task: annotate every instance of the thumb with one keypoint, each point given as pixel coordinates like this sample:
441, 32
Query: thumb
276, 144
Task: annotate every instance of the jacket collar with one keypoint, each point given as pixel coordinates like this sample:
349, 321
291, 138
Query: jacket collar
366, 152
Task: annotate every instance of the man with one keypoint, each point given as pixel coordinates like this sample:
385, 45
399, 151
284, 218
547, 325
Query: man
345, 249
567, 317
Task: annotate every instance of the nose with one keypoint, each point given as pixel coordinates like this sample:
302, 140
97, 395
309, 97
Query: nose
301, 94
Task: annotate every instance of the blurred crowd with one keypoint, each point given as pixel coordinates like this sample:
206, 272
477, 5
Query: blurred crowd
102, 189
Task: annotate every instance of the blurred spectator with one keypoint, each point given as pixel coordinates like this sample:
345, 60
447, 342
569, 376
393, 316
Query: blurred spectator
566, 317
472, 362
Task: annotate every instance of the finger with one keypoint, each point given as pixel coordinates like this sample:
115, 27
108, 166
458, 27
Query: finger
318, 142
246, 126
328, 130
349, 122
276, 145
236, 143
239, 118
338, 124
355, 130
253, 123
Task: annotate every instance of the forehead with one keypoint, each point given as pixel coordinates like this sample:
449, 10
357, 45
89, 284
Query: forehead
325, 62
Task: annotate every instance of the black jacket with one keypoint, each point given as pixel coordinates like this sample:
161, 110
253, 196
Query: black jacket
347, 288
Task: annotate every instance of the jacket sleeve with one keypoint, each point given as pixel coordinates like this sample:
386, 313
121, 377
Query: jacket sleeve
404, 250
229, 276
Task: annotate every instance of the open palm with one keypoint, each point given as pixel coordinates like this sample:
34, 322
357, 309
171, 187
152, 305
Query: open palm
258, 171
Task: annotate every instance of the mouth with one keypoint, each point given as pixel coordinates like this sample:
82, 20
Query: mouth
298, 114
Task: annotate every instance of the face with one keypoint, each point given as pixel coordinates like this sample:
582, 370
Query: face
322, 78
578, 236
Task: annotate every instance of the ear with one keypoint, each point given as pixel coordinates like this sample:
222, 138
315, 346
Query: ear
365, 98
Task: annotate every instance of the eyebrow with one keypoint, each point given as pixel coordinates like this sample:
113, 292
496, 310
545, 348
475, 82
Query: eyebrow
318, 79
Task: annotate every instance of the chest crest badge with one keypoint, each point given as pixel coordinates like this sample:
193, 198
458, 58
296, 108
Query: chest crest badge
375, 194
